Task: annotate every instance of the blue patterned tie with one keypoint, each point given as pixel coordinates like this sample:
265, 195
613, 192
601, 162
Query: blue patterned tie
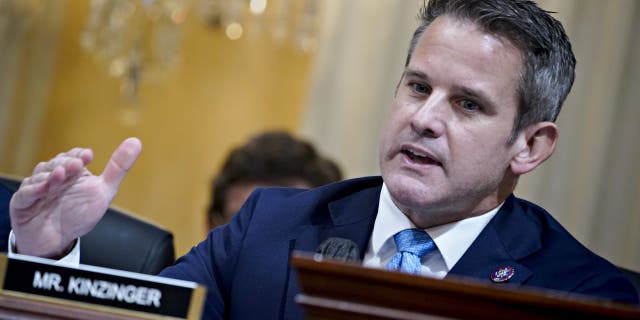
412, 244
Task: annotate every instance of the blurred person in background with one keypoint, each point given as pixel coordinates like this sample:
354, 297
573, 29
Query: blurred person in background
273, 158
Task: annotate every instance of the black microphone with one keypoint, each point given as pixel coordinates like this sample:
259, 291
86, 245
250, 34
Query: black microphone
339, 249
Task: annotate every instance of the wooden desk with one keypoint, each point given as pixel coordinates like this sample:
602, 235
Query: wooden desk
332, 290
24, 309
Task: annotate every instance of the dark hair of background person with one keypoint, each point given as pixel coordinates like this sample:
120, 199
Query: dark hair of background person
549, 63
273, 158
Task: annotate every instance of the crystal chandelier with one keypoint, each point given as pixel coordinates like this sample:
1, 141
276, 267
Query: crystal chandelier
141, 38
131, 36
295, 21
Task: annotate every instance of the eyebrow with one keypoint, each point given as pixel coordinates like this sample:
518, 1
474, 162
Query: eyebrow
416, 74
478, 95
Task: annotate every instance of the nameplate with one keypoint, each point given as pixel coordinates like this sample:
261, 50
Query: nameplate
99, 288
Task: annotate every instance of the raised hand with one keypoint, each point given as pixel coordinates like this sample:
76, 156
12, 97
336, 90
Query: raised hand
62, 200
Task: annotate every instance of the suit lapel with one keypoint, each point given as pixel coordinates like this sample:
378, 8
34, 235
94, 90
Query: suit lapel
509, 237
351, 217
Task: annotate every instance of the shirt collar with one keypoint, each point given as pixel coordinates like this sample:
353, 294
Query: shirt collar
453, 239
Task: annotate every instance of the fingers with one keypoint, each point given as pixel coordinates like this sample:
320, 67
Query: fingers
27, 195
36, 187
36, 178
49, 175
121, 161
73, 161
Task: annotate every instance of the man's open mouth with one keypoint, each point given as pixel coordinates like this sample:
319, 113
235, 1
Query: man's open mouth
420, 157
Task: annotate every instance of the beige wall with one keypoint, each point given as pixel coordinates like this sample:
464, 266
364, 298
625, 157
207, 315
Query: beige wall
222, 92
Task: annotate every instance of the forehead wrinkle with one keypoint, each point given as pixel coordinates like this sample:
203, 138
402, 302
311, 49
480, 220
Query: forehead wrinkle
449, 31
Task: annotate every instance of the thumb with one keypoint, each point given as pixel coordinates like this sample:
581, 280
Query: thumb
121, 161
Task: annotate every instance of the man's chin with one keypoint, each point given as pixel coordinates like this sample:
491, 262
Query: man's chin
409, 193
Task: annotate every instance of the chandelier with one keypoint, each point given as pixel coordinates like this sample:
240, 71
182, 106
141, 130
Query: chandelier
132, 36
142, 38
284, 20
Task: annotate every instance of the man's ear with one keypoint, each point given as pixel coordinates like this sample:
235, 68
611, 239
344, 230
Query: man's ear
533, 146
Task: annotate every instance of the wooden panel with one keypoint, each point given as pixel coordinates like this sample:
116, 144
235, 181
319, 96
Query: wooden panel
18, 308
332, 290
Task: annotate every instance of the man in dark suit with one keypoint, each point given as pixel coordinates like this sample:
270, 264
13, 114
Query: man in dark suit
474, 110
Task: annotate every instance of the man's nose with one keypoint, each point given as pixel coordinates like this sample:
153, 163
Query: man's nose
429, 118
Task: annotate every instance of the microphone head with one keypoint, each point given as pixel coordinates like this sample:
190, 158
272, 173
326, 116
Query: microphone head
339, 249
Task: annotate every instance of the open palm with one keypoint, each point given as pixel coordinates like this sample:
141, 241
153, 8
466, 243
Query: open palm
62, 200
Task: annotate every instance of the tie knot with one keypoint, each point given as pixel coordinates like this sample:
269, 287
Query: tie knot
414, 241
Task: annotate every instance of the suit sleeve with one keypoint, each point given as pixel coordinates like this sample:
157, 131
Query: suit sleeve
212, 262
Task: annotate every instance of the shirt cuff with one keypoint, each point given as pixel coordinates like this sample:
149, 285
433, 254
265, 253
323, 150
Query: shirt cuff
72, 259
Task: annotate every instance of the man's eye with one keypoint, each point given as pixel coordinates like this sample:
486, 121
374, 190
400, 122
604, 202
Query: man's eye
470, 106
419, 88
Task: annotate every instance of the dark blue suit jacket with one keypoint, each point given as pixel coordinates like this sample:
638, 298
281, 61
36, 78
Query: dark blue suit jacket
245, 264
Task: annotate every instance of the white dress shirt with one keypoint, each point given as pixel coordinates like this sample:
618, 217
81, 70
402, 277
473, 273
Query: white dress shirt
452, 239
72, 259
